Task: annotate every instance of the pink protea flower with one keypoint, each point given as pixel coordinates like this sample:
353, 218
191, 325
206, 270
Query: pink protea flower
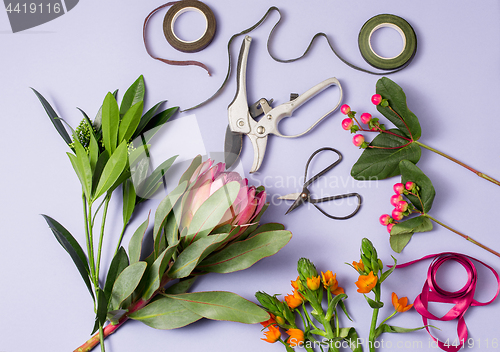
365, 117
345, 109
398, 188
347, 124
376, 99
206, 180
358, 140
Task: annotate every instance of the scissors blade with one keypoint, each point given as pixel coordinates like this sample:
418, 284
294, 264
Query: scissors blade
259, 150
299, 201
232, 147
290, 196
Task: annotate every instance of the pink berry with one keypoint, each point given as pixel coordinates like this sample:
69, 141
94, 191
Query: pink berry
365, 117
358, 140
347, 124
389, 227
397, 215
395, 199
376, 99
345, 109
402, 206
398, 188
409, 185
384, 219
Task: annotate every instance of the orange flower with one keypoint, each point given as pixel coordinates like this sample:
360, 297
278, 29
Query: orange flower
294, 300
313, 282
358, 266
270, 321
366, 283
272, 335
296, 283
330, 281
296, 337
401, 305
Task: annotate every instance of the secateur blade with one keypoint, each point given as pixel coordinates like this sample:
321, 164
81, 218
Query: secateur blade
232, 147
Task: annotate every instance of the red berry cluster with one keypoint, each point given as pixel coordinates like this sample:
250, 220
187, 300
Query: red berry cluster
401, 207
351, 124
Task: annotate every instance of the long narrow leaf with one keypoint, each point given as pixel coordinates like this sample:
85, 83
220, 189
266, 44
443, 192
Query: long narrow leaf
70, 244
118, 264
135, 244
151, 183
110, 121
146, 118
126, 283
152, 278
133, 95
129, 122
54, 118
113, 169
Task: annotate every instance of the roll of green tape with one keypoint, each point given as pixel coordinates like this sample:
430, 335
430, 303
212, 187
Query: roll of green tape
402, 27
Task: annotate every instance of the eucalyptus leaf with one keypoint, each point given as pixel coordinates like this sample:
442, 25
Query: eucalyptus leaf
181, 287
401, 232
210, 213
221, 305
165, 313
135, 244
130, 121
189, 258
118, 264
154, 274
113, 169
186, 176
70, 244
110, 121
56, 121
242, 255
378, 164
410, 172
407, 122
373, 304
126, 283
133, 95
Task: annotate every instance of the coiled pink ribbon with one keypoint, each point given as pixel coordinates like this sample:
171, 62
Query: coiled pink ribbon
462, 299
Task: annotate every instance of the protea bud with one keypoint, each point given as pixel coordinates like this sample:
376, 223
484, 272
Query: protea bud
306, 269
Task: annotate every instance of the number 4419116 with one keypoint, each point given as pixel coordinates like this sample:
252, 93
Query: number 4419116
33, 8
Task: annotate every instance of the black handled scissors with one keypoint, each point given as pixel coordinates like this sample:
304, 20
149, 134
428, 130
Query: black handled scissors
305, 195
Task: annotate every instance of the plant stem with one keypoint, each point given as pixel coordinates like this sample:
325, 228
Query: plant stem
373, 325
101, 236
480, 174
463, 235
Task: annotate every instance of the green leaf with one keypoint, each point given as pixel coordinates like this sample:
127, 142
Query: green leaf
56, 121
152, 182
386, 274
68, 242
251, 230
410, 172
129, 122
93, 153
401, 233
146, 118
113, 169
126, 283
154, 274
135, 244
181, 287
351, 336
373, 303
397, 104
157, 121
165, 313
118, 264
394, 329
242, 255
210, 213
102, 310
221, 305
133, 95
186, 176
376, 163
110, 121
84, 167
194, 253
164, 209
128, 201
99, 167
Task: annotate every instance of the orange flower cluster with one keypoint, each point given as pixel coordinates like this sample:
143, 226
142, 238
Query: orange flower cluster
330, 282
366, 283
273, 334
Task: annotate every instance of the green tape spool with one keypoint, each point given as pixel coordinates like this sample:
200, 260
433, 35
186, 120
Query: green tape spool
402, 27
195, 45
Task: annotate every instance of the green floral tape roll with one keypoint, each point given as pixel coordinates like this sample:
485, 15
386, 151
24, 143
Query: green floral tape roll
402, 27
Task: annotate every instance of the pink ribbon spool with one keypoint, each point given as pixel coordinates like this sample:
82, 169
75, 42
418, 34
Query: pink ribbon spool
462, 299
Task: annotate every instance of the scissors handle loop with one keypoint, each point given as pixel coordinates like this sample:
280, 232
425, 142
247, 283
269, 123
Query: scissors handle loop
341, 196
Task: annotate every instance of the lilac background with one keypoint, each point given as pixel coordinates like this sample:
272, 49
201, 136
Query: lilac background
452, 86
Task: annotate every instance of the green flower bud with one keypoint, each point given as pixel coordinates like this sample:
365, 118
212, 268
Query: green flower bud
367, 247
287, 313
375, 267
380, 265
270, 303
306, 269
367, 263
